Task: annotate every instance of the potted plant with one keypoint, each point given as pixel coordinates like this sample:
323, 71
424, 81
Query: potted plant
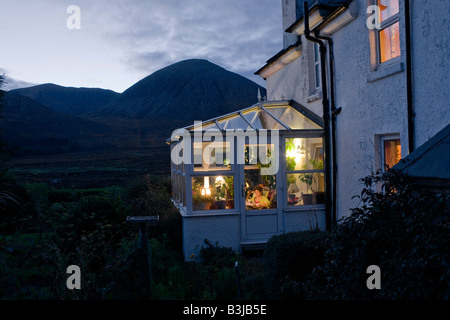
318, 196
308, 179
201, 202
229, 192
220, 191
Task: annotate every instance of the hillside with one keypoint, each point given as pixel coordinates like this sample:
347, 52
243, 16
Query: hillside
32, 128
68, 100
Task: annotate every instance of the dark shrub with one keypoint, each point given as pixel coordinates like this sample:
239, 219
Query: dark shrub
288, 258
403, 230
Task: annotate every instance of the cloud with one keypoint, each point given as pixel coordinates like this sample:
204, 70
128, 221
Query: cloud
122, 41
11, 83
238, 35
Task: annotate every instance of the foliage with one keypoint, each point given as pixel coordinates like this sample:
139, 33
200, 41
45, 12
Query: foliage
288, 258
402, 229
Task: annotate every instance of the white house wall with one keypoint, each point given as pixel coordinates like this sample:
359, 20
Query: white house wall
374, 103
431, 67
369, 109
292, 83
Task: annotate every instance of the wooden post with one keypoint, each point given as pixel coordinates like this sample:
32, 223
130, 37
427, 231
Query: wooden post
142, 245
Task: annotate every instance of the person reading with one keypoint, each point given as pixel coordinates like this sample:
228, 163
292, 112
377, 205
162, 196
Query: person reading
256, 200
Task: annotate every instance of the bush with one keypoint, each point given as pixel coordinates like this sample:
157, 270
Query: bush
403, 230
288, 258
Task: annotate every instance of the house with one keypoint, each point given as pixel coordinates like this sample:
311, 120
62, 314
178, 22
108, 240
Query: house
368, 81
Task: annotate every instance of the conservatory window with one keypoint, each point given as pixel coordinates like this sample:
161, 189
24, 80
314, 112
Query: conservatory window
212, 192
209, 156
305, 171
260, 188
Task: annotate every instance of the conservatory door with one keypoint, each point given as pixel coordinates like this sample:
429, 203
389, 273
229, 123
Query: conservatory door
261, 215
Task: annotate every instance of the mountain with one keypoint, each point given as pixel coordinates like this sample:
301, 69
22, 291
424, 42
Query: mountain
49, 118
190, 90
28, 125
68, 100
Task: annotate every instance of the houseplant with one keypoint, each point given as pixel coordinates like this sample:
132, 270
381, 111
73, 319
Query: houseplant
229, 191
308, 179
220, 193
318, 195
201, 202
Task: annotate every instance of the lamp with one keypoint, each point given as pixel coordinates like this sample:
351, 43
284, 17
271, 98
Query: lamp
293, 188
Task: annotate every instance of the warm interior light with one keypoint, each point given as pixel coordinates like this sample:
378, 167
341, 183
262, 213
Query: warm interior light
205, 191
220, 180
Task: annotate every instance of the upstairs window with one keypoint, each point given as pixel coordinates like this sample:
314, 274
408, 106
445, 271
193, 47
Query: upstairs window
388, 36
316, 67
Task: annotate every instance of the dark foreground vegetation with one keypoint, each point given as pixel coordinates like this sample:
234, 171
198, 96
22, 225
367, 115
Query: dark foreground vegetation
402, 230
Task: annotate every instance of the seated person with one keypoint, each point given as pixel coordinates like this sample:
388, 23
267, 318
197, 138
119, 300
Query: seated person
255, 199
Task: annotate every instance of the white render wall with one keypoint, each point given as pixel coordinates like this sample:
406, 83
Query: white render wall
375, 103
431, 66
371, 106
292, 83
222, 229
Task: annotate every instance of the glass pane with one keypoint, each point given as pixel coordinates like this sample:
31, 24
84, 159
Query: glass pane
389, 43
234, 123
305, 188
260, 187
261, 120
388, 8
210, 156
304, 154
292, 118
317, 75
316, 52
212, 193
204, 127
392, 152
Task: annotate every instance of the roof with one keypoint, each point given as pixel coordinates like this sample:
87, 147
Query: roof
322, 9
267, 115
430, 161
325, 7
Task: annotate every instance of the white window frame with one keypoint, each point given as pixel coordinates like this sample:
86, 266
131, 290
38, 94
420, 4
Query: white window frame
385, 24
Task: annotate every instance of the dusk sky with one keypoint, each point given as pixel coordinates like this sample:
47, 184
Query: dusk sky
123, 41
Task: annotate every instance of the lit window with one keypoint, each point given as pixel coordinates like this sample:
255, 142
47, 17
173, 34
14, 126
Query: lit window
388, 37
391, 151
305, 171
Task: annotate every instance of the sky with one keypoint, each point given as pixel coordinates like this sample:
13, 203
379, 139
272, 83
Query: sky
112, 44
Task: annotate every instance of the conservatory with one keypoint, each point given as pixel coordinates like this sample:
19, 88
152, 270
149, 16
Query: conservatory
243, 177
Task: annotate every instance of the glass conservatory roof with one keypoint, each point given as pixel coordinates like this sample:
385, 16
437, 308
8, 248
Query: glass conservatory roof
268, 115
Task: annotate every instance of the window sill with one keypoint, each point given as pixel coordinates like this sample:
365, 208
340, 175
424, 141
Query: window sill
315, 96
385, 71
312, 207
210, 213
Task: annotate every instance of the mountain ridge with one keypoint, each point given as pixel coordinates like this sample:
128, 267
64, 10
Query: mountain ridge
144, 115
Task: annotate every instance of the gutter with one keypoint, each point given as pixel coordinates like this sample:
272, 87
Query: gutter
334, 113
326, 115
409, 89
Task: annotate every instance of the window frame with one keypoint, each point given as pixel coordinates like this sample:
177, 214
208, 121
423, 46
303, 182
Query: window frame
384, 25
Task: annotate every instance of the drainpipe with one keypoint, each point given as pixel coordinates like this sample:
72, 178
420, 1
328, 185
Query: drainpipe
409, 89
334, 112
326, 115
